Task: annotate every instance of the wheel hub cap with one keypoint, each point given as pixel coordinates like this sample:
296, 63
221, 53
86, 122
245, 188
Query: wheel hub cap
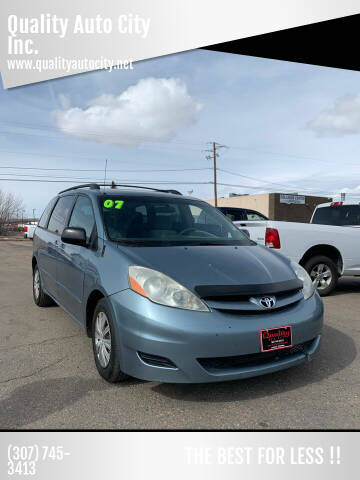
321, 276
102, 339
37, 284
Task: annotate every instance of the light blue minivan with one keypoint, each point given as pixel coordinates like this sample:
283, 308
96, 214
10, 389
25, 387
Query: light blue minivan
169, 289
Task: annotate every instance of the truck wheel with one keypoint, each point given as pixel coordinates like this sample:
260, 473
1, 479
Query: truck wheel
40, 298
323, 273
106, 353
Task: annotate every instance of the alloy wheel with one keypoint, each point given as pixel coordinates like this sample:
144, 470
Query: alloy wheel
102, 339
36, 284
321, 276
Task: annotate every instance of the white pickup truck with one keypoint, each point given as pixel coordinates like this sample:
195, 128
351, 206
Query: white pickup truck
328, 247
29, 230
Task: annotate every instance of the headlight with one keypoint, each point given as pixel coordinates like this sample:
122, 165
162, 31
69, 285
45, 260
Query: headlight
301, 273
161, 289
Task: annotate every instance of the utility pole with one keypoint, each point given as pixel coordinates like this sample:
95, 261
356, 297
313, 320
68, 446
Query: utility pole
343, 197
213, 157
33, 214
215, 180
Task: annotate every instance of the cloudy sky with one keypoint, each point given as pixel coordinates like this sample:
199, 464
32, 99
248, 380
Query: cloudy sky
288, 128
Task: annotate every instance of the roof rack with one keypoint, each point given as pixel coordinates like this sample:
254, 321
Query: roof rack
96, 186
93, 186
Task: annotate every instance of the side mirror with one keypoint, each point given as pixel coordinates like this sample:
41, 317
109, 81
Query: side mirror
74, 236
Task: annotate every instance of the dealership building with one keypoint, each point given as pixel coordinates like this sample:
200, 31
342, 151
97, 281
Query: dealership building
276, 206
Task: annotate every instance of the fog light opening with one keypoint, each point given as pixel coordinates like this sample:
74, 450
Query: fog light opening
156, 361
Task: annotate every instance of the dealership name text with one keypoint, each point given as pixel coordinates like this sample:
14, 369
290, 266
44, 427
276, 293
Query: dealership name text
49, 24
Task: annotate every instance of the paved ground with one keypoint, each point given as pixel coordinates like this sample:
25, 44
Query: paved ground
48, 379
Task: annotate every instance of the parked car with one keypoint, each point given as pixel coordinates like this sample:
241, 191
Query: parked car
237, 214
167, 297
29, 230
327, 247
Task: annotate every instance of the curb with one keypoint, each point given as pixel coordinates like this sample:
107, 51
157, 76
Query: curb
13, 239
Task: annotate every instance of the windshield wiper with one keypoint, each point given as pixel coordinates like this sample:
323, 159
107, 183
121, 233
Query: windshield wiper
131, 242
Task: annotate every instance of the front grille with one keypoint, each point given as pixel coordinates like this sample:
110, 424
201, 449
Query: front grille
156, 360
242, 304
276, 288
246, 298
238, 311
252, 360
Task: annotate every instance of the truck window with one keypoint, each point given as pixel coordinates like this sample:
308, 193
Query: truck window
342, 215
234, 214
252, 215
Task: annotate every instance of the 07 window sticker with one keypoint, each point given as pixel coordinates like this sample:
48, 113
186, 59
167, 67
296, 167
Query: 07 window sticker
117, 204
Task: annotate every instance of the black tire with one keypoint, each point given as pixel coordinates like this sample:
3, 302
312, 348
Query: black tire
40, 298
316, 262
111, 372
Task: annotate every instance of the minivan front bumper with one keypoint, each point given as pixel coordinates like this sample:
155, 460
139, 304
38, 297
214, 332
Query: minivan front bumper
190, 343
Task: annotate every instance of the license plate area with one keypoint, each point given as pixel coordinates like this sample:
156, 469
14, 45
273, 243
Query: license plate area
276, 338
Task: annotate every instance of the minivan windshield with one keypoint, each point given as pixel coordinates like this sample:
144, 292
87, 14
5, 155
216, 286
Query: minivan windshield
341, 215
155, 221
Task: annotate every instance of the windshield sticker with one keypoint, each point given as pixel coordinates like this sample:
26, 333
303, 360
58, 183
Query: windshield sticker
113, 203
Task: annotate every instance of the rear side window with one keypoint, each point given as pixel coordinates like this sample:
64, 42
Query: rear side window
60, 214
45, 216
252, 215
338, 215
234, 214
83, 216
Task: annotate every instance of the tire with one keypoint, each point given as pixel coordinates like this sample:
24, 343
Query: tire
323, 271
106, 354
40, 298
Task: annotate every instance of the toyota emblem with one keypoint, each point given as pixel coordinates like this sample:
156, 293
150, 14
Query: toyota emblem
267, 302
264, 302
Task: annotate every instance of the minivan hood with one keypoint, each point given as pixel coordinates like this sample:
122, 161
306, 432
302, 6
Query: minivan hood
193, 266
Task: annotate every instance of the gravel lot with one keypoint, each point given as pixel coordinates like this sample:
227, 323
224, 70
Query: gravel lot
48, 379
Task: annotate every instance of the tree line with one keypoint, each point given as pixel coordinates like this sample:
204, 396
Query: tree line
11, 207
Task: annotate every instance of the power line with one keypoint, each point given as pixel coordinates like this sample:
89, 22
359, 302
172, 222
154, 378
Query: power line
262, 188
161, 182
63, 178
291, 187
101, 170
262, 181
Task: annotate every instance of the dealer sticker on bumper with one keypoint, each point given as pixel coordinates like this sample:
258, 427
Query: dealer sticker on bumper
275, 338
